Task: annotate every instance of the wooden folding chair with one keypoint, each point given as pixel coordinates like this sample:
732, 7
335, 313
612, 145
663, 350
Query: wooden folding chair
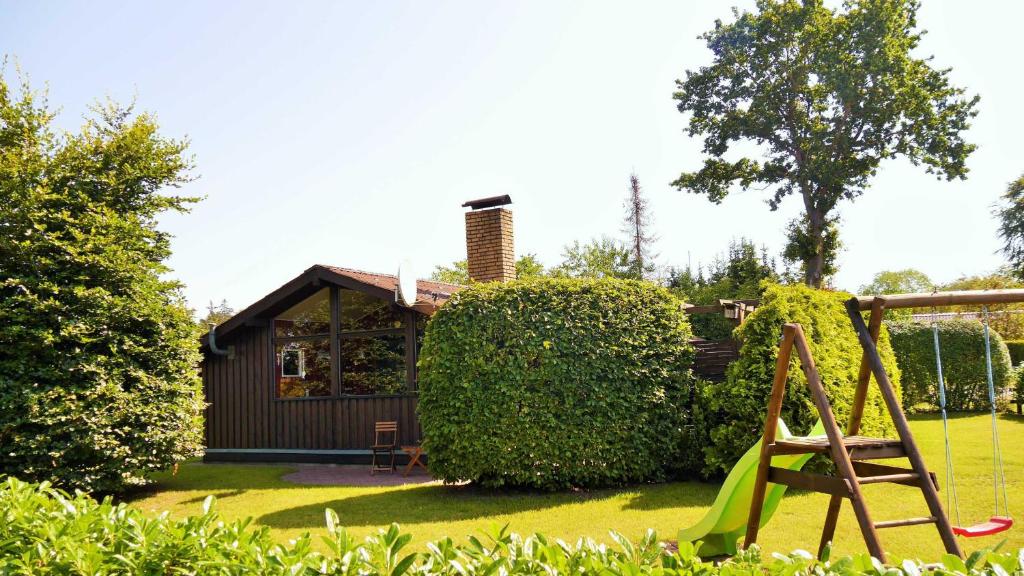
385, 439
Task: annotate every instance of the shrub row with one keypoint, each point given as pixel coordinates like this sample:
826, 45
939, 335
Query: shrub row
1016, 350
552, 383
46, 531
962, 346
736, 407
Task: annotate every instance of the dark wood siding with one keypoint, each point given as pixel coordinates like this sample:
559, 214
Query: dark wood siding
244, 414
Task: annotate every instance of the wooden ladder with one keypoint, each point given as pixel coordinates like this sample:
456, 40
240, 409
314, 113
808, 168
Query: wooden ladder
850, 452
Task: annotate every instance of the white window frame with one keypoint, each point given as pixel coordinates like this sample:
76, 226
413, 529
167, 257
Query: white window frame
301, 363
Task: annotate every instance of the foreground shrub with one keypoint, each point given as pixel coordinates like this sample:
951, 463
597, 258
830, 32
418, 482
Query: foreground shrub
98, 351
49, 532
553, 383
738, 405
963, 363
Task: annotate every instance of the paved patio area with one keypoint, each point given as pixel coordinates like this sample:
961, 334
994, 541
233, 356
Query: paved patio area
344, 475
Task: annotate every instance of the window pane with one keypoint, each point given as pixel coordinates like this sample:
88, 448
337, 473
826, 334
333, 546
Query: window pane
303, 368
311, 316
373, 365
364, 312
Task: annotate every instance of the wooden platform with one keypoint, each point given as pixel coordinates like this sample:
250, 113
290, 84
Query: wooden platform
859, 447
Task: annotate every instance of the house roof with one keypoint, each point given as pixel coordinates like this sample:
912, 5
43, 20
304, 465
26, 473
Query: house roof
430, 295
427, 291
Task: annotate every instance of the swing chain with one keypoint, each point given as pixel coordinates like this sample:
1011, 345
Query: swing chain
951, 496
998, 477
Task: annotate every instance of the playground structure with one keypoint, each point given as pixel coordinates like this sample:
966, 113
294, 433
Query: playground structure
760, 478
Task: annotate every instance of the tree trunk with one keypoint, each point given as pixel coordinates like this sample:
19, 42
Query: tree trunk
814, 267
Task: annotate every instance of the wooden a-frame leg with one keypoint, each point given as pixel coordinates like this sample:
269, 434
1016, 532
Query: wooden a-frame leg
828, 531
844, 467
770, 428
899, 419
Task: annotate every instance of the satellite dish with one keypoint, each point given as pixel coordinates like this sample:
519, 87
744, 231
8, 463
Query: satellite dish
406, 283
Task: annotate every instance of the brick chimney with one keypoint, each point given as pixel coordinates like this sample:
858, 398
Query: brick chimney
490, 253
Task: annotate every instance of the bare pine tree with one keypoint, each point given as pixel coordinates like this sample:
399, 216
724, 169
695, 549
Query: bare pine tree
636, 226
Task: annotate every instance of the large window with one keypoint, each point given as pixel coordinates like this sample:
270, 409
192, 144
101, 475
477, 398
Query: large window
302, 348
303, 368
372, 346
364, 312
311, 317
370, 353
373, 365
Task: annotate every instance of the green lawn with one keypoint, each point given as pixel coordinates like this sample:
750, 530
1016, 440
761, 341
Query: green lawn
431, 512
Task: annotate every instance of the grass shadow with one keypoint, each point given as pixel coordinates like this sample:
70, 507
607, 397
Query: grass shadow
216, 479
438, 503
688, 494
218, 495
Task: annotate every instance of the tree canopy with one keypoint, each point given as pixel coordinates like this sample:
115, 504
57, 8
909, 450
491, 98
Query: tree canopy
1007, 319
825, 95
743, 272
98, 352
904, 281
1011, 225
527, 266
599, 258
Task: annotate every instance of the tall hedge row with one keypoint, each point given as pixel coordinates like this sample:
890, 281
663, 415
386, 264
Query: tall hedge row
962, 343
551, 383
1016, 349
737, 405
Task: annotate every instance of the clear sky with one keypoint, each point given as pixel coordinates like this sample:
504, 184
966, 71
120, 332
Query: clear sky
349, 133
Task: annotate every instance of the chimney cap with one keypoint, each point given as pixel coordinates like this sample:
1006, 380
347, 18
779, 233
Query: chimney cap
491, 202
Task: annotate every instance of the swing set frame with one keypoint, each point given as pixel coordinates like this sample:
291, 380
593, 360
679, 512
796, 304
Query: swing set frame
850, 451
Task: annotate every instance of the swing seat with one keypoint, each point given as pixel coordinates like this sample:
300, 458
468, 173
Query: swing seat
995, 525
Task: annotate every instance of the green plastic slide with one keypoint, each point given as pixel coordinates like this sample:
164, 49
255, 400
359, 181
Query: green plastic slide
726, 521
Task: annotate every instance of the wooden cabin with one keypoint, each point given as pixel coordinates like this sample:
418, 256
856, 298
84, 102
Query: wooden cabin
303, 374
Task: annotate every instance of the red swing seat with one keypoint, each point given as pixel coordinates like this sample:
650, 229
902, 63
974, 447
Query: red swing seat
995, 525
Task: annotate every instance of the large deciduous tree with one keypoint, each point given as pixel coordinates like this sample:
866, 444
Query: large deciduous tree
824, 96
98, 352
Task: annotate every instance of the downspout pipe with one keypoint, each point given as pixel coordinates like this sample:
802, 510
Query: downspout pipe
211, 339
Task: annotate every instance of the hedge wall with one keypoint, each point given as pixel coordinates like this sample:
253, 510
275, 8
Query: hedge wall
1016, 349
551, 383
737, 406
963, 363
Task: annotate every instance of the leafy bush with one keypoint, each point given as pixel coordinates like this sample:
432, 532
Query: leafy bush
1018, 381
50, 532
551, 383
737, 406
98, 352
962, 343
1016, 350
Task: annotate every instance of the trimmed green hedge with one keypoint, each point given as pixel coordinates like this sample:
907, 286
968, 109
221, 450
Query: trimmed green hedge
556, 383
46, 531
737, 406
963, 363
1016, 350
